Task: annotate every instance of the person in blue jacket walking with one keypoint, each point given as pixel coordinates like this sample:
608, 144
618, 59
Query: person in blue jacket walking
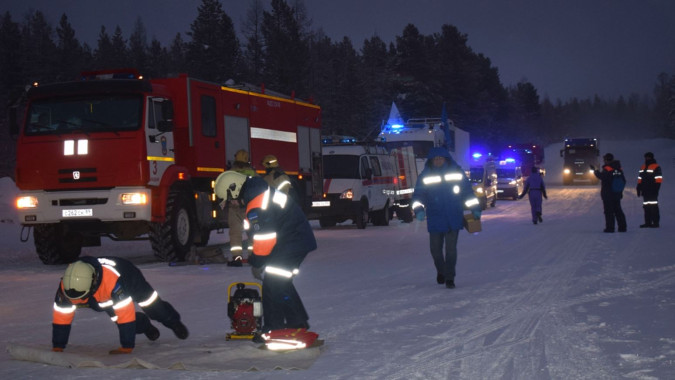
535, 188
442, 193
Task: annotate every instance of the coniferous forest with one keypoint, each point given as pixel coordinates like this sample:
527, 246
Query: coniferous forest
279, 47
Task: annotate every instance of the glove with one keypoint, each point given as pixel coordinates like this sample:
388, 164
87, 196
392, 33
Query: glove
639, 193
257, 273
121, 350
57, 349
420, 215
476, 214
545, 197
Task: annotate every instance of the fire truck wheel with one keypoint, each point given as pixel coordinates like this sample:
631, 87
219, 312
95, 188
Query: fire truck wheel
362, 217
172, 240
53, 246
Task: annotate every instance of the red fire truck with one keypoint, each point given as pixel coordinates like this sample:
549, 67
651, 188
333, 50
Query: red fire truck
114, 155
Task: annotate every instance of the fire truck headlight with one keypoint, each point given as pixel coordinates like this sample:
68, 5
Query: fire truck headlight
134, 199
590, 171
479, 190
566, 171
512, 182
347, 194
26, 202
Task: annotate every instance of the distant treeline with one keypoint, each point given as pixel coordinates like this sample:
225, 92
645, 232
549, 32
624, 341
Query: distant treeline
278, 47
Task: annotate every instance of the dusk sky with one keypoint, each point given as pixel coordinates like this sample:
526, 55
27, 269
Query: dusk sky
565, 48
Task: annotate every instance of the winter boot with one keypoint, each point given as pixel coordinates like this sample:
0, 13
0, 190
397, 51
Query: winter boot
237, 261
179, 329
450, 284
539, 217
440, 278
152, 333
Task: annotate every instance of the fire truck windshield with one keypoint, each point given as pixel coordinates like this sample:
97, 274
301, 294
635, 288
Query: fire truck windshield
91, 114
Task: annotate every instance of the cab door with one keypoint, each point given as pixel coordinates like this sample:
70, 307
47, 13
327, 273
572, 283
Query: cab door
160, 147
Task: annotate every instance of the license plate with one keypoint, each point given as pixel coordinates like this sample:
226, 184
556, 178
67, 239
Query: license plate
321, 204
77, 212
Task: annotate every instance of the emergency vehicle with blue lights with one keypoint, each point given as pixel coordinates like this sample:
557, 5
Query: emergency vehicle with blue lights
510, 181
527, 155
482, 174
115, 155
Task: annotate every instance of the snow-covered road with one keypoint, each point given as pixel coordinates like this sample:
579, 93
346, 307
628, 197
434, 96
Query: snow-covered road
558, 300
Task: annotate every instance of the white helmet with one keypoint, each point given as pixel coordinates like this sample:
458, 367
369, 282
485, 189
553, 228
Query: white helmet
78, 279
229, 182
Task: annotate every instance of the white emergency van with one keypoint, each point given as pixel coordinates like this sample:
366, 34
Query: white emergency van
360, 183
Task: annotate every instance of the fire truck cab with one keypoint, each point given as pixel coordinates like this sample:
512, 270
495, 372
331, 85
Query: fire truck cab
114, 155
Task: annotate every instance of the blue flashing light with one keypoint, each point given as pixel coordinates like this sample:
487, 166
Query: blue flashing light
510, 160
476, 155
396, 126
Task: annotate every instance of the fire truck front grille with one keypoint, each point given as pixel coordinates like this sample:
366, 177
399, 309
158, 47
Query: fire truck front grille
83, 202
77, 175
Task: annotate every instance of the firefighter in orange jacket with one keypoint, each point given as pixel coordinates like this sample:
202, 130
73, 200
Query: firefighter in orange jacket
648, 186
282, 237
111, 284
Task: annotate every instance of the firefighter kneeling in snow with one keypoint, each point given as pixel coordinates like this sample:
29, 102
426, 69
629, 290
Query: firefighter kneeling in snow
282, 237
111, 284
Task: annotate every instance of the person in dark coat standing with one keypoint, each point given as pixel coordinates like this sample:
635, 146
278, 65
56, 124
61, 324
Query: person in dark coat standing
648, 186
282, 238
442, 192
611, 200
535, 188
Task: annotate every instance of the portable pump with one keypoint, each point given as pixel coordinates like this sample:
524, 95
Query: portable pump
244, 308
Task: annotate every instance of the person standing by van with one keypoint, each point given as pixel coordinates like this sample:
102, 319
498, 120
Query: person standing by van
442, 192
535, 188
